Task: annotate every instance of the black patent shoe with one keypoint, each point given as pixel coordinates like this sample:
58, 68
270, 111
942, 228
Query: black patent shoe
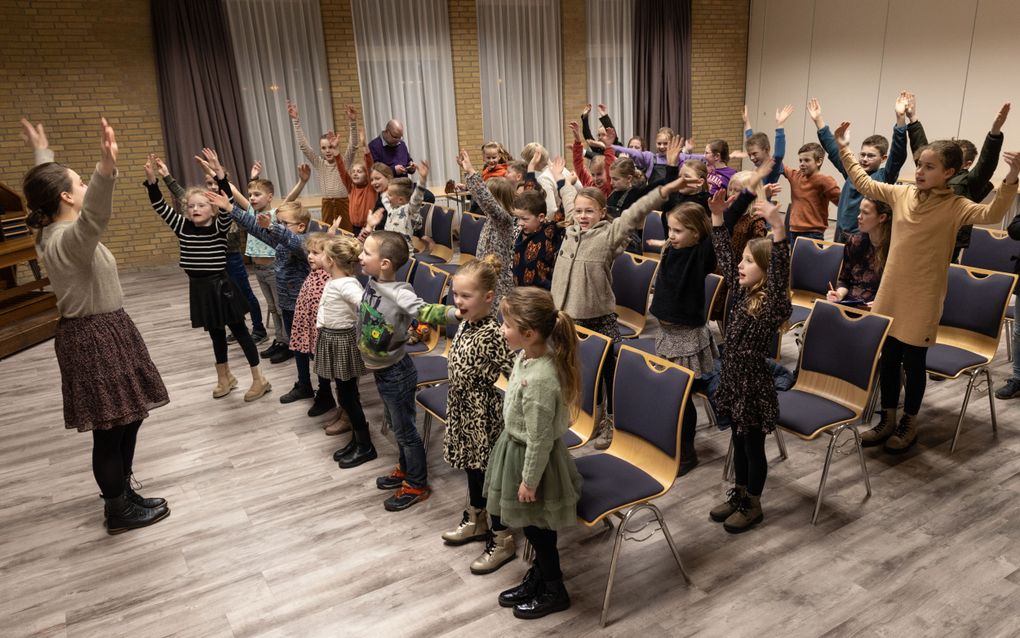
137, 498
524, 592
551, 599
345, 450
360, 454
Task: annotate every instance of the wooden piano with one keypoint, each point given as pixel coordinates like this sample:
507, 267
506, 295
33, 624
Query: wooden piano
28, 311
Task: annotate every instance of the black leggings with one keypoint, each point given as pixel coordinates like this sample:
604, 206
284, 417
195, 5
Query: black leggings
113, 452
476, 483
350, 402
688, 428
749, 462
547, 557
240, 330
901, 360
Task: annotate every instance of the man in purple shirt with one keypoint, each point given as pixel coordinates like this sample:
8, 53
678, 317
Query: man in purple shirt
390, 149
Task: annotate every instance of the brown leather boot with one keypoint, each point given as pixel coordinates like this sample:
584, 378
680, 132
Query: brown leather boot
877, 435
748, 515
341, 425
904, 437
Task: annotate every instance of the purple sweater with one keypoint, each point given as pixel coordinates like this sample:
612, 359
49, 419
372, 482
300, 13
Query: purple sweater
391, 156
646, 160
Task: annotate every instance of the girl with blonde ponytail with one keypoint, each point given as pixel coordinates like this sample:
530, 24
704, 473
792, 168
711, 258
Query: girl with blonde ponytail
532, 481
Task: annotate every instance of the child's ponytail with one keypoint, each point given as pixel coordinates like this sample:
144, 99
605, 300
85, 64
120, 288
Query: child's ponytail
563, 342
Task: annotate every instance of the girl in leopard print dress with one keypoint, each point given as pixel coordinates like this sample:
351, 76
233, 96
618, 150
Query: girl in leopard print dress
478, 355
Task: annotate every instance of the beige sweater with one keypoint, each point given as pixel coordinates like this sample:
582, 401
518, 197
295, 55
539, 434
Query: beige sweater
582, 281
82, 270
924, 229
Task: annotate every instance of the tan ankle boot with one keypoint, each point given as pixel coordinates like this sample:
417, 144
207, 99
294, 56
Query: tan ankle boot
225, 382
905, 435
878, 434
259, 385
341, 425
474, 526
723, 510
748, 515
500, 549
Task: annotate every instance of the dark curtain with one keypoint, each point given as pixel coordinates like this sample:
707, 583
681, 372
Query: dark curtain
662, 67
199, 93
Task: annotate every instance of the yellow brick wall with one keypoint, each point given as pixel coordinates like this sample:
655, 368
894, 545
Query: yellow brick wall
466, 76
719, 66
574, 38
342, 62
66, 63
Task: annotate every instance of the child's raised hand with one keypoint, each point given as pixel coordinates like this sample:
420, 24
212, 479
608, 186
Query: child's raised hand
263, 220
911, 110
1011, 159
586, 110
770, 212
762, 171
609, 137
718, 204
575, 128
556, 166
678, 184
161, 168
304, 172
361, 137
814, 109
423, 172
747, 120
783, 114
603, 109
902, 100
34, 135
256, 170
689, 145
219, 200
292, 110
1000, 119
842, 134
150, 168
673, 148
374, 218
108, 161
771, 190
464, 161
214, 162
206, 168
738, 155
352, 113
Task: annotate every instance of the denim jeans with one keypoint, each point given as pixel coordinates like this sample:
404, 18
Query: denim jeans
265, 274
1016, 348
811, 235
396, 386
239, 274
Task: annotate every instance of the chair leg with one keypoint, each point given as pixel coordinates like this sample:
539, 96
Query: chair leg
782, 444
612, 568
1009, 340
860, 455
869, 412
825, 475
963, 410
991, 400
728, 465
711, 414
426, 430
669, 539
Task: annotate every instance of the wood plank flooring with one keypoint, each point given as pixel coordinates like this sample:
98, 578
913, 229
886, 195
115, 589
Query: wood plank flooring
269, 538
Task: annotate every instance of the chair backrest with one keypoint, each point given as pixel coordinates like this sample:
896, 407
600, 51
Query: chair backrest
713, 283
592, 349
814, 266
653, 230
429, 283
406, 272
974, 309
992, 250
470, 233
840, 353
652, 395
632, 283
451, 326
441, 226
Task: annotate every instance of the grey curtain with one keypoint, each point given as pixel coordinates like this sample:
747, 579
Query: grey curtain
199, 94
662, 67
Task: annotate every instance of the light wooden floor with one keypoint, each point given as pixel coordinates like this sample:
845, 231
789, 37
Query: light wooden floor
269, 538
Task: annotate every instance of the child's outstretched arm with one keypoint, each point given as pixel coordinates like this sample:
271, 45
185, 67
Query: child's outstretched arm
299, 134
777, 307
825, 138
994, 212
480, 192
418, 196
352, 135
634, 217
915, 131
166, 212
983, 169
779, 152
604, 119
860, 178
898, 145
577, 154
748, 129
176, 190
304, 174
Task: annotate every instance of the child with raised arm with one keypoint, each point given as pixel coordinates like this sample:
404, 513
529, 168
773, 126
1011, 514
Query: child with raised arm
974, 179
717, 157
108, 381
746, 396
496, 159
600, 179
531, 480
811, 192
926, 217
387, 309
495, 198
478, 355
331, 167
215, 300
362, 194
758, 147
404, 214
875, 149
336, 349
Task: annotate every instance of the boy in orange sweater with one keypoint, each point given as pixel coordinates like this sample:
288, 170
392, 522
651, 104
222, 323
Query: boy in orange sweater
810, 194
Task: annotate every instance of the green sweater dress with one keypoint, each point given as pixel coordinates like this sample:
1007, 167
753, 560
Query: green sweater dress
530, 450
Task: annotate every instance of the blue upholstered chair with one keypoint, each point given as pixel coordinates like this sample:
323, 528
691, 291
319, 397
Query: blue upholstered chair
969, 330
592, 348
430, 284
835, 381
641, 463
440, 229
470, 233
995, 250
433, 400
814, 266
632, 282
653, 231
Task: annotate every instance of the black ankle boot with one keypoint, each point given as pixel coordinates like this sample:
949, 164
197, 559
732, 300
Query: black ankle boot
324, 402
552, 598
526, 591
363, 451
345, 450
123, 515
137, 498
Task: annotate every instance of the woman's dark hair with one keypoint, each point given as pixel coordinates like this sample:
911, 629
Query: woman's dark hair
42, 187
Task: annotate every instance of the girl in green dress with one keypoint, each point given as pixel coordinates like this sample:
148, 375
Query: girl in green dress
531, 481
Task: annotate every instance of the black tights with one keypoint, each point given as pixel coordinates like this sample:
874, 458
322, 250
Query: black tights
688, 428
240, 330
350, 402
113, 452
901, 360
547, 557
476, 483
749, 462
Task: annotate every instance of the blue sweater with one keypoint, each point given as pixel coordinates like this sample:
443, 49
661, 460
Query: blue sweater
850, 198
291, 263
778, 154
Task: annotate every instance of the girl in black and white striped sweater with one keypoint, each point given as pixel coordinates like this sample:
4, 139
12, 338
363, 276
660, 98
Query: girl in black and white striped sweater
216, 301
